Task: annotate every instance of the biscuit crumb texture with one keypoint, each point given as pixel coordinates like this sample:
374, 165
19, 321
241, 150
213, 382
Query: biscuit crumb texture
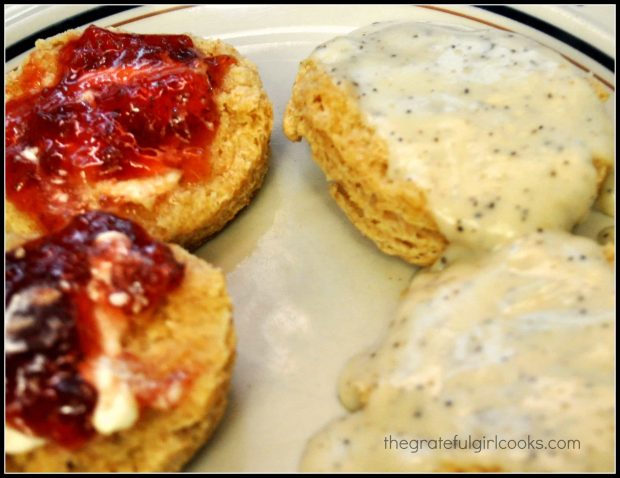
192, 330
185, 214
391, 212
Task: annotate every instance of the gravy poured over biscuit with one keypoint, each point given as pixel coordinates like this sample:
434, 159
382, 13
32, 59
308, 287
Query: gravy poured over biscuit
499, 131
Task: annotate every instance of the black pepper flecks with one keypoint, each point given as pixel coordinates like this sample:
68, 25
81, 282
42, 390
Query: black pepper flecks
524, 214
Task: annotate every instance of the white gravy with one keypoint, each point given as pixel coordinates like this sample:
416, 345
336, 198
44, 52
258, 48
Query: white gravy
498, 130
512, 344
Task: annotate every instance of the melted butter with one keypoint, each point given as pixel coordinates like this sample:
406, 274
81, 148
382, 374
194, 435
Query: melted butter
498, 130
515, 343
143, 191
117, 408
19, 442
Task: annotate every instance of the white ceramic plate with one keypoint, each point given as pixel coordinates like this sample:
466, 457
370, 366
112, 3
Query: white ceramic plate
309, 291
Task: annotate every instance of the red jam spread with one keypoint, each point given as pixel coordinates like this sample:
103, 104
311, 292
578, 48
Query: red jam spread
53, 287
124, 106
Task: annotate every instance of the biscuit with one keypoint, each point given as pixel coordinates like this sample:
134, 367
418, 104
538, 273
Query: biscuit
477, 350
347, 131
394, 215
189, 212
192, 328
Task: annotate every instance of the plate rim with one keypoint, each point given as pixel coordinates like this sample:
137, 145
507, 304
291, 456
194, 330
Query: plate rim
522, 16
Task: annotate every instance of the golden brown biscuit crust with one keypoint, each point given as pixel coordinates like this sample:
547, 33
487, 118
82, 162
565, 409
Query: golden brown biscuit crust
239, 155
192, 330
392, 213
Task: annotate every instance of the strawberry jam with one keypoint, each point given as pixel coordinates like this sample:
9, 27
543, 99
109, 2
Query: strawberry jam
123, 106
54, 287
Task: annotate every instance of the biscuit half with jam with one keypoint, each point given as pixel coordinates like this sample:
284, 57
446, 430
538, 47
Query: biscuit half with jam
170, 131
119, 350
